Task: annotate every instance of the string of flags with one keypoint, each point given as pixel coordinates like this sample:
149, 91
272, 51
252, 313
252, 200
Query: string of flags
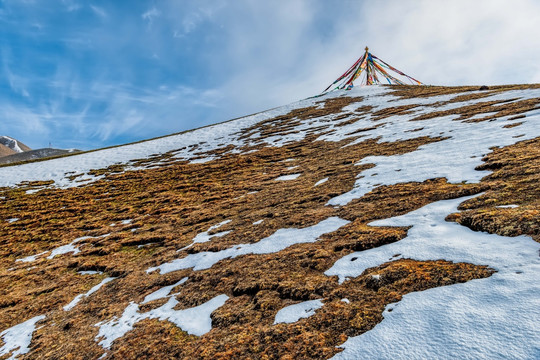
370, 68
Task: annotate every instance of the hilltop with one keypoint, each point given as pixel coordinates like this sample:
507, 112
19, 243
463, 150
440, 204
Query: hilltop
385, 221
13, 151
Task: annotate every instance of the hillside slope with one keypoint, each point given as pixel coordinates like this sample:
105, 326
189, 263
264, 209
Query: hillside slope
395, 222
34, 155
5, 151
13, 144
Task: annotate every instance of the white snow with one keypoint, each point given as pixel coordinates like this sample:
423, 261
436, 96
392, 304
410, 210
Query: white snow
258, 222
287, 177
293, 313
71, 248
17, 338
163, 292
281, 239
13, 144
90, 272
194, 321
31, 257
492, 318
454, 158
511, 206
78, 298
322, 181
204, 236
65, 249
12, 220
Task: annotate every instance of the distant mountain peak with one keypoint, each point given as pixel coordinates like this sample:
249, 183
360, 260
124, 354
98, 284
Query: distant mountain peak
13, 144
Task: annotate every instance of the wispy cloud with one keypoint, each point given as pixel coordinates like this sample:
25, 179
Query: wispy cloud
150, 15
99, 11
71, 5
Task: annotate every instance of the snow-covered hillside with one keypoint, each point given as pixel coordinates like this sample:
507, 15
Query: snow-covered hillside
303, 222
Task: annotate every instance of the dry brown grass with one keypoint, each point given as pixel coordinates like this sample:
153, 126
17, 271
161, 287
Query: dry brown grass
515, 181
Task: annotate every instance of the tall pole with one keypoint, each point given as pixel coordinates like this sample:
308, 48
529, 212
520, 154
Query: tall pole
367, 66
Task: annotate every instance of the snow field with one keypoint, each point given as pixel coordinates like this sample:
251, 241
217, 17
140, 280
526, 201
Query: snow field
492, 318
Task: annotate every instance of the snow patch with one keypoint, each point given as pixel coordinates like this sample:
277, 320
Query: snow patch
511, 206
281, 239
194, 321
322, 181
17, 338
31, 257
293, 313
71, 248
78, 298
204, 236
287, 177
90, 272
163, 292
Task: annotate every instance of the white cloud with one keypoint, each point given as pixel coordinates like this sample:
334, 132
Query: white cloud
150, 15
71, 5
99, 11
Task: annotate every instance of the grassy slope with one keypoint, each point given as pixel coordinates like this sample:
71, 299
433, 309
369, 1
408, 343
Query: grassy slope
171, 204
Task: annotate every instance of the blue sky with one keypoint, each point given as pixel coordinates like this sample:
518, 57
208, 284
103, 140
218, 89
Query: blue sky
88, 74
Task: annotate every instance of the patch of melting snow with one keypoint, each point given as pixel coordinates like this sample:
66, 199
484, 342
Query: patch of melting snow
281, 239
90, 272
511, 206
31, 257
12, 220
287, 177
258, 222
293, 313
78, 298
163, 292
495, 317
194, 321
205, 237
71, 248
17, 338
126, 222
322, 181
33, 191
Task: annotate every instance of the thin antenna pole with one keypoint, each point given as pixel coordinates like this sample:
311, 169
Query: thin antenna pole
367, 66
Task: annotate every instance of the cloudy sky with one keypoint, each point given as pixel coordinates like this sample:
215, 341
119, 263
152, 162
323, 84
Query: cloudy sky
87, 74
